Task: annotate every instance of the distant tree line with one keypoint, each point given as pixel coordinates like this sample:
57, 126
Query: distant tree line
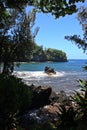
41, 55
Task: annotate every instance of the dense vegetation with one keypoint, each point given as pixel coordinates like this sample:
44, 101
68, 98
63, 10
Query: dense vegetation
17, 38
15, 99
41, 55
56, 8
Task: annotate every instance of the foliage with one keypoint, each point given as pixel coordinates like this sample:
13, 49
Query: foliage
16, 39
45, 126
56, 8
81, 42
15, 98
56, 55
67, 118
40, 54
80, 98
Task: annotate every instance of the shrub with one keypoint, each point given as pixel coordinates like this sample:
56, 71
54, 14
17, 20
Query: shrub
80, 98
15, 98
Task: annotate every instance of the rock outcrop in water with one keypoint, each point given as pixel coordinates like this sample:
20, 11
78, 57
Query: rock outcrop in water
49, 70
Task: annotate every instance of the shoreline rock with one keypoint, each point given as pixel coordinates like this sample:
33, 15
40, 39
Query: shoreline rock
41, 96
46, 106
49, 70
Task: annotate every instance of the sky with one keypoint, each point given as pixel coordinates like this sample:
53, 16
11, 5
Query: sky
52, 32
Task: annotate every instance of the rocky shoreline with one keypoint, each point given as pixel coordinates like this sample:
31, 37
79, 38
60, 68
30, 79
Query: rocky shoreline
46, 106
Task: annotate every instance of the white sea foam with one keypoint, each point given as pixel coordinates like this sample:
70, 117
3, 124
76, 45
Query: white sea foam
37, 74
66, 81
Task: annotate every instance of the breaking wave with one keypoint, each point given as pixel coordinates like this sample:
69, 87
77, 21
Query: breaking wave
67, 81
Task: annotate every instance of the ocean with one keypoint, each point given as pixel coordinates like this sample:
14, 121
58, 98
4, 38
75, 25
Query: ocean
66, 78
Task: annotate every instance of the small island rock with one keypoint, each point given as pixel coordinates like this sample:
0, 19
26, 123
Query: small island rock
49, 70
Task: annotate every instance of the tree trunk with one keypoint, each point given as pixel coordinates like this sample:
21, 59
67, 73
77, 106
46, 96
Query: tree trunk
5, 68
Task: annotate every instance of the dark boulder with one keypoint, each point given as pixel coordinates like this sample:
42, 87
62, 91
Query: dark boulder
49, 70
41, 96
47, 107
60, 97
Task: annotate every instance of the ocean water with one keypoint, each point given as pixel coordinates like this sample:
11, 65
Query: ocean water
66, 78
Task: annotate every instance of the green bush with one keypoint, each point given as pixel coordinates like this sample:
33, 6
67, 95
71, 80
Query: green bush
80, 98
15, 98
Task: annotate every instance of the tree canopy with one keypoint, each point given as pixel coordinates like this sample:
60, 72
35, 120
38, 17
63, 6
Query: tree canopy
81, 42
55, 7
17, 38
41, 55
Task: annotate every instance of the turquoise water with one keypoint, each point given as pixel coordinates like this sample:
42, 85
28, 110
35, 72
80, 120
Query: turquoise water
71, 65
66, 78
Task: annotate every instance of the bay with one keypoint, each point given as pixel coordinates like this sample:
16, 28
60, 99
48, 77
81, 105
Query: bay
66, 78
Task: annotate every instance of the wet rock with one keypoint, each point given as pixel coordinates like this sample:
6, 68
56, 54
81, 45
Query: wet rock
53, 109
49, 70
60, 97
46, 107
63, 98
44, 95
41, 96
46, 114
